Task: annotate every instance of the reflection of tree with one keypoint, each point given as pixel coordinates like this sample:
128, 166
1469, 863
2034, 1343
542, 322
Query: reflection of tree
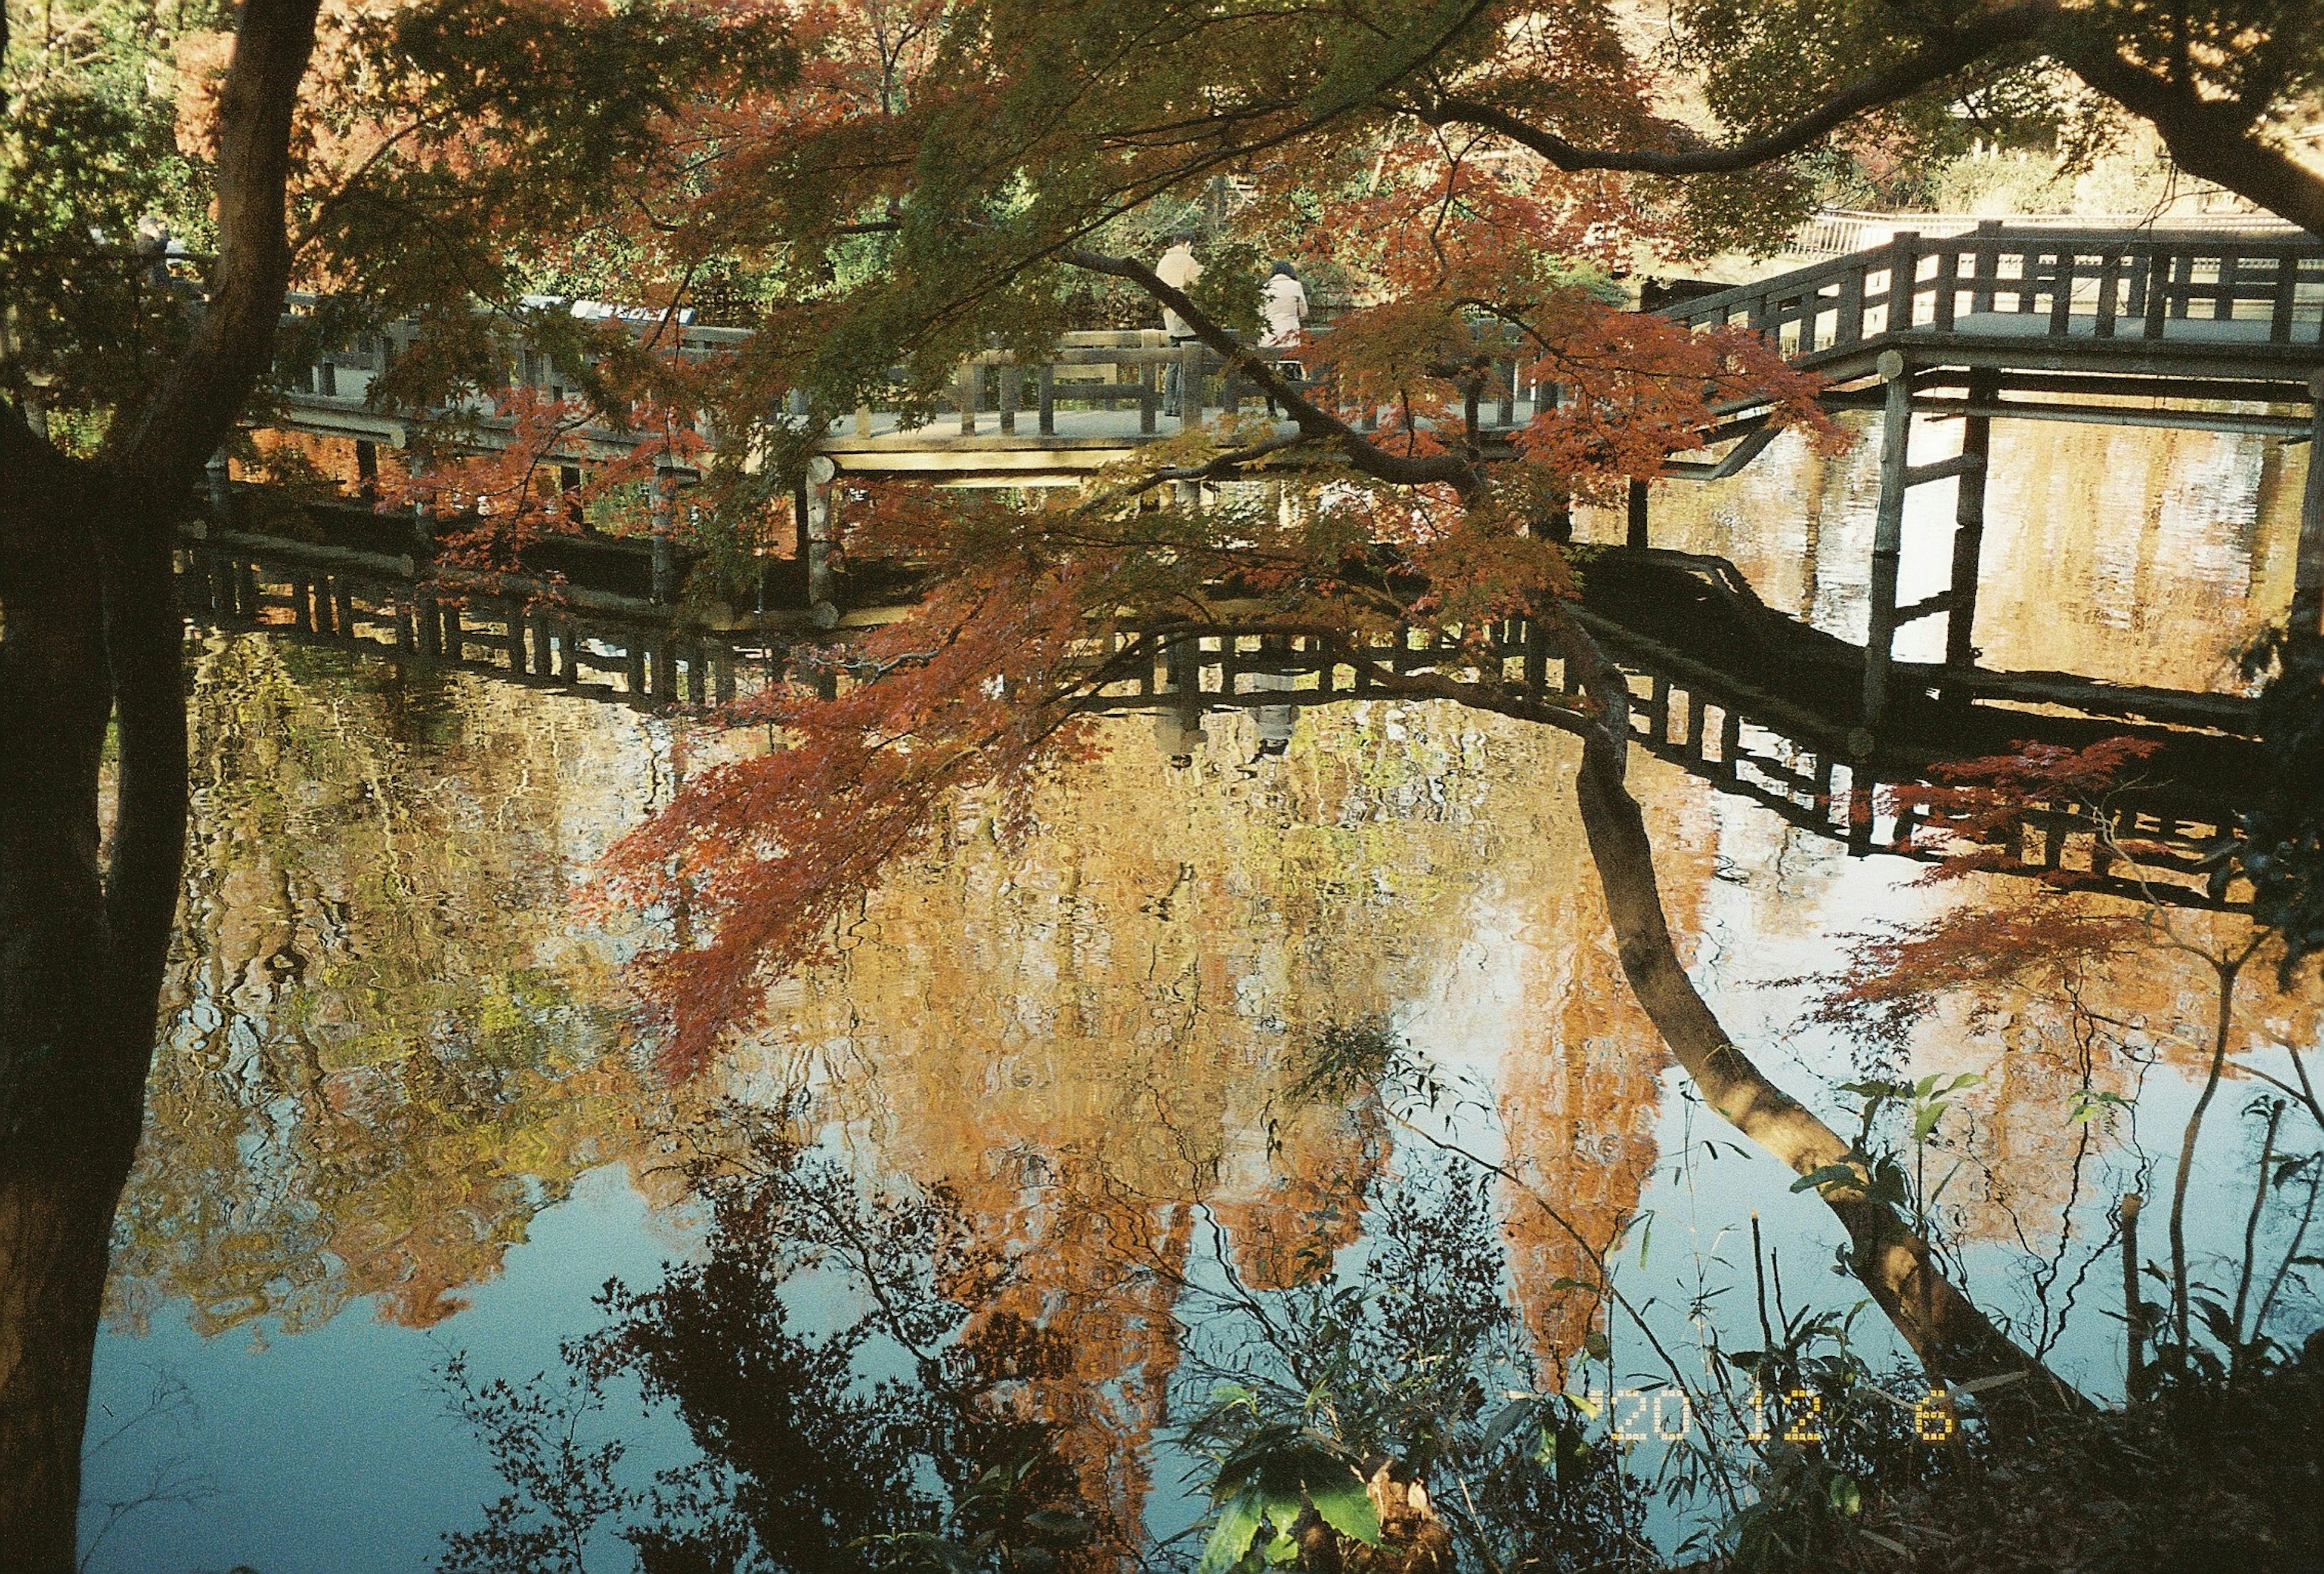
1122, 992
861, 1372
382, 1049
847, 1411
1086, 1037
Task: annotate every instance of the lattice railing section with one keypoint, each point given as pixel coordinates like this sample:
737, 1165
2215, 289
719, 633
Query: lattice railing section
2104, 286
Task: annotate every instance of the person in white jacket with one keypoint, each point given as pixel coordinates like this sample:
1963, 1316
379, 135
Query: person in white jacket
1178, 269
1283, 307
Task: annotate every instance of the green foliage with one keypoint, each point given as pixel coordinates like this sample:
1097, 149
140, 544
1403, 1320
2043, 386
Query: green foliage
88, 152
1277, 1475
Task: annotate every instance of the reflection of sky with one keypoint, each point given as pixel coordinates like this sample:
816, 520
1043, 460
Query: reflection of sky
336, 1451
333, 1448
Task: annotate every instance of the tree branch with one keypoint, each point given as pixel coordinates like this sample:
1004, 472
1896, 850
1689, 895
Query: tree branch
2209, 138
233, 343
1940, 56
1459, 470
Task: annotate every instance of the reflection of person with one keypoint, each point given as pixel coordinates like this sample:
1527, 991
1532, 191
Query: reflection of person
1178, 269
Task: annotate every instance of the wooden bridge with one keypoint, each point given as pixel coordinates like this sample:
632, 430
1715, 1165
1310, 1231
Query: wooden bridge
2120, 328
2213, 330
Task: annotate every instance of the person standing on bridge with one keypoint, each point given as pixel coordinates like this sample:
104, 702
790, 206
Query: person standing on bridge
1283, 307
1178, 269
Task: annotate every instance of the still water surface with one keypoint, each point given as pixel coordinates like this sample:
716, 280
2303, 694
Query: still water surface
402, 1115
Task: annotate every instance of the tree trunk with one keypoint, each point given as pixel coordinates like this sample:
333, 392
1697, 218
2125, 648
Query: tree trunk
1953, 1339
80, 954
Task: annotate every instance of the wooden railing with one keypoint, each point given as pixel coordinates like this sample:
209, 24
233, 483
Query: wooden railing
1836, 231
994, 391
2104, 286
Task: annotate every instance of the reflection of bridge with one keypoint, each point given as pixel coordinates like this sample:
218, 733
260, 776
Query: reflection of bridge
1753, 703
1775, 729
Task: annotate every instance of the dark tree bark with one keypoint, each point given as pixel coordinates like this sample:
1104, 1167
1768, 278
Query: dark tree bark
93, 642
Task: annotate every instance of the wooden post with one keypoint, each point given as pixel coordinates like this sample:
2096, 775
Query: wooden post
659, 510
1968, 530
220, 474
1012, 394
2308, 569
1637, 522
1887, 537
1048, 391
965, 390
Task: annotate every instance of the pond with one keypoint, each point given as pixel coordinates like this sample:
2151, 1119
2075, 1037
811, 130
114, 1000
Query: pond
1238, 1066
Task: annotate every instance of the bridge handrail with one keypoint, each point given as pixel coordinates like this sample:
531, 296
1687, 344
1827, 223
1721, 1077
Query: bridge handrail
2110, 279
1839, 231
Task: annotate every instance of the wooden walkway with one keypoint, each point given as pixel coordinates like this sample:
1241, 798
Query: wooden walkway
2218, 331
2213, 330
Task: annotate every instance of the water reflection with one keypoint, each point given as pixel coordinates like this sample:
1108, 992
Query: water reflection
385, 1047
395, 1048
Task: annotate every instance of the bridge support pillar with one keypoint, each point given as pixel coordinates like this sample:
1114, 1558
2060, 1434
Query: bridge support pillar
2308, 570
1637, 520
1969, 533
661, 511
1887, 538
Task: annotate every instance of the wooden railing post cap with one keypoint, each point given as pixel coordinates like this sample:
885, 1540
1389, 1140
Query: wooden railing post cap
1890, 365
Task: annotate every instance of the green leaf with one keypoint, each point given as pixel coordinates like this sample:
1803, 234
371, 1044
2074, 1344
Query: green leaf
1282, 1551
1827, 1175
1513, 1415
1927, 1120
1846, 1496
1239, 1519
1999, 1380
1344, 1505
